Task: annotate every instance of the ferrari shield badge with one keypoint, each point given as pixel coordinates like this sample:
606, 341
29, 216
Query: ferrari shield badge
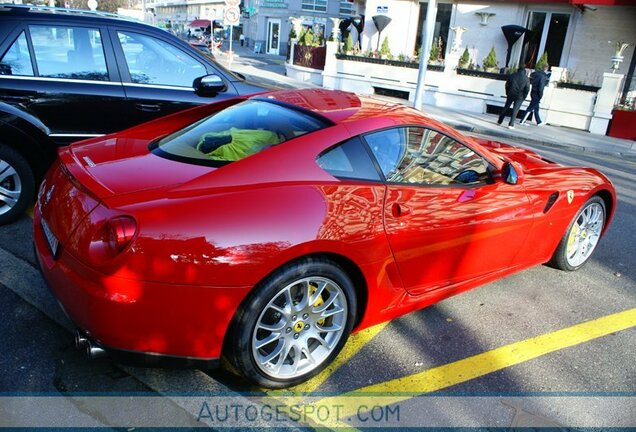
570, 196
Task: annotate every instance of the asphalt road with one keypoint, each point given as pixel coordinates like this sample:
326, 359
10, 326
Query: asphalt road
37, 354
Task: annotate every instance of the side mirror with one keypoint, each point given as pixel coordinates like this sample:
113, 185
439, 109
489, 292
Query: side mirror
209, 85
511, 173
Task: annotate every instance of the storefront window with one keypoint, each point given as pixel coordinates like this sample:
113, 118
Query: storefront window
547, 34
314, 5
442, 25
346, 8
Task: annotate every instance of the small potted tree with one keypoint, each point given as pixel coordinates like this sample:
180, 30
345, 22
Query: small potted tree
464, 60
490, 62
436, 49
543, 61
385, 51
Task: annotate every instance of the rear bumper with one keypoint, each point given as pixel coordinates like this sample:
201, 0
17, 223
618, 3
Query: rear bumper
134, 358
131, 318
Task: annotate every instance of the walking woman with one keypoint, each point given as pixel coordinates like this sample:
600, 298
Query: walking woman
539, 80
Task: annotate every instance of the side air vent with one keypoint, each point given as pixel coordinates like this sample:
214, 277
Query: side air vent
551, 200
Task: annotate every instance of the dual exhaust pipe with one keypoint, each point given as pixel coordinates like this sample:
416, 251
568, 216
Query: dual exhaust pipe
92, 350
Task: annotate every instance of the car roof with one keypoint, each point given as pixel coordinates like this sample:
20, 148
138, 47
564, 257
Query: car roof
71, 15
345, 107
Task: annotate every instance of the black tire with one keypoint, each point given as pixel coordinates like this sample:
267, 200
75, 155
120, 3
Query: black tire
238, 350
560, 258
25, 183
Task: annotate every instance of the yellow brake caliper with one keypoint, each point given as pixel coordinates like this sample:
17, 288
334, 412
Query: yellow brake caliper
572, 238
317, 303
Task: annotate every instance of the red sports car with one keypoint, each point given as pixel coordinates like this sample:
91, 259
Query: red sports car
267, 229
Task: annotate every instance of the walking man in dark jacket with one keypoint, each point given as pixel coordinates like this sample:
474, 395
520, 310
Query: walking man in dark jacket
517, 88
539, 80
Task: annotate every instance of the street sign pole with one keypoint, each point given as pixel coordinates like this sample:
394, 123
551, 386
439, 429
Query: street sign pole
231, 15
231, 54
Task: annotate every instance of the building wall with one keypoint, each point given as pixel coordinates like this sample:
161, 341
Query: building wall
404, 14
184, 12
479, 39
256, 26
586, 51
590, 53
401, 31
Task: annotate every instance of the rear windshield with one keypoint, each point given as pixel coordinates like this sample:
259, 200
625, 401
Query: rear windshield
236, 133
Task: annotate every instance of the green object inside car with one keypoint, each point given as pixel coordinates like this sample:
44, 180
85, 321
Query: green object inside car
235, 144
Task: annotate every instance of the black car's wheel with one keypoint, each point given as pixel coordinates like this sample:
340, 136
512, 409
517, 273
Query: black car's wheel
581, 237
17, 186
293, 324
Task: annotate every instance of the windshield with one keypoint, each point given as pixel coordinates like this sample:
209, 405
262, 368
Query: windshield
236, 133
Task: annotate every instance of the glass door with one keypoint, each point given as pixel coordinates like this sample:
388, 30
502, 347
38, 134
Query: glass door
547, 34
273, 36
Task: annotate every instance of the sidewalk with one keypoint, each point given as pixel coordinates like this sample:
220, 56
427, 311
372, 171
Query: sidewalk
270, 70
551, 136
264, 69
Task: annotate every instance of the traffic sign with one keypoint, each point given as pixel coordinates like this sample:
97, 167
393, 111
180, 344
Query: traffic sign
232, 2
231, 15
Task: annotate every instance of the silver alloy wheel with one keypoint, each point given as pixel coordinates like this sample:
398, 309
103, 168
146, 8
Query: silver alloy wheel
10, 187
299, 327
584, 234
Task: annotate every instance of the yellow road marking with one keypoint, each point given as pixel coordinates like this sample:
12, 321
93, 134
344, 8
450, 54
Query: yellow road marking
29, 211
475, 366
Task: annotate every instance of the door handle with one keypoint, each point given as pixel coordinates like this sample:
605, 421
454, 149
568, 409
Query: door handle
398, 210
148, 107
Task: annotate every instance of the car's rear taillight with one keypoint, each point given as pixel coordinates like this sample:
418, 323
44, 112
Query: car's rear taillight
112, 238
122, 231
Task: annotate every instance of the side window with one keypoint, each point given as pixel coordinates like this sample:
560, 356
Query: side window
153, 61
69, 52
349, 160
17, 60
388, 147
427, 157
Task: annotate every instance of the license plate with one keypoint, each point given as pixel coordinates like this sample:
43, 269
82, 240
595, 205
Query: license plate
52, 241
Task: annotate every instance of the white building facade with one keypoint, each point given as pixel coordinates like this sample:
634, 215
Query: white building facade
183, 12
267, 23
575, 35
580, 40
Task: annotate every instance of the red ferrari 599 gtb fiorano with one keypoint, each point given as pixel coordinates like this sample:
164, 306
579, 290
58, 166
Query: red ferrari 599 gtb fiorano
267, 229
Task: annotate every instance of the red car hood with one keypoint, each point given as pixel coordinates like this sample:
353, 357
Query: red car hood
122, 165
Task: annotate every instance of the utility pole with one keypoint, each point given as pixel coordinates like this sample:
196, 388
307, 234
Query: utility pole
425, 52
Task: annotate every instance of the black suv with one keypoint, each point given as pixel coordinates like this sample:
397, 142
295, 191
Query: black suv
67, 75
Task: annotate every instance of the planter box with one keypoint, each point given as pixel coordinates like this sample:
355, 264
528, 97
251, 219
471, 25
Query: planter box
582, 87
623, 124
482, 74
398, 63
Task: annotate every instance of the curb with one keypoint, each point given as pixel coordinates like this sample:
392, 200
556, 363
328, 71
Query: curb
581, 149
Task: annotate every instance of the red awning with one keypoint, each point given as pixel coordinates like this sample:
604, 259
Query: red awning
583, 2
200, 23
604, 2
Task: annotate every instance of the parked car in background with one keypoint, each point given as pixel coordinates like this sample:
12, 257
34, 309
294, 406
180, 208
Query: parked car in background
68, 75
281, 222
